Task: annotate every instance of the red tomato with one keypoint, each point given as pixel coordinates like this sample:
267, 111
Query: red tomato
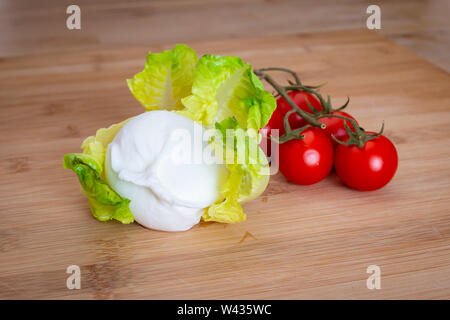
299, 98
368, 168
275, 122
296, 121
306, 161
335, 126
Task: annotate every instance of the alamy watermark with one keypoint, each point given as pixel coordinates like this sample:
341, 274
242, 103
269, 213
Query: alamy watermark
74, 280
211, 146
73, 22
374, 20
374, 280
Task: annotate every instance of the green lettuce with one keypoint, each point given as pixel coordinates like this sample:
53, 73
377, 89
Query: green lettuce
104, 202
248, 167
227, 94
167, 77
216, 91
224, 87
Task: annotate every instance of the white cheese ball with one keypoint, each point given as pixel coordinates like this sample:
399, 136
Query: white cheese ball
144, 163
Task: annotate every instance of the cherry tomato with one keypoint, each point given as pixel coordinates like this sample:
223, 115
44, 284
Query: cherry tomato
306, 161
275, 122
299, 98
368, 168
335, 126
283, 107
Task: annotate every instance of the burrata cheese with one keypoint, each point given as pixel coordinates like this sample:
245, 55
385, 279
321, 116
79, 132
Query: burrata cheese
157, 162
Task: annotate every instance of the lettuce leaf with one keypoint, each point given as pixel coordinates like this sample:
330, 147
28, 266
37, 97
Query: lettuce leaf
248, 167
224, 87
227, 94
104, 202
167, 77
95, 146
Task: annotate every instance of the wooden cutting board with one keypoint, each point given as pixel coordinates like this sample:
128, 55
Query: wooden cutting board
298, 242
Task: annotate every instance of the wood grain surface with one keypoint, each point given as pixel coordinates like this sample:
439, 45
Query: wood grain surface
30, 26
298, 242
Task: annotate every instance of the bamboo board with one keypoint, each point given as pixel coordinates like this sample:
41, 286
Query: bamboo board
298, 242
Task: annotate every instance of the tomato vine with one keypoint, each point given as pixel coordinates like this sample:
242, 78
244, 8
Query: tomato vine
357, 135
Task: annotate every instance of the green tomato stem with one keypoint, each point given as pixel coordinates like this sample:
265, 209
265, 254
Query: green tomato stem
357, 135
